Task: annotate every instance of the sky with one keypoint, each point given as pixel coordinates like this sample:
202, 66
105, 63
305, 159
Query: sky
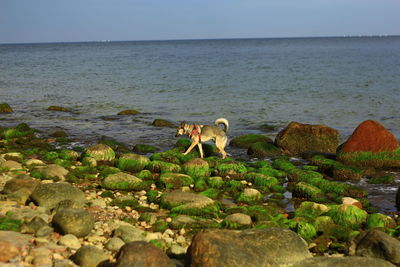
31, 21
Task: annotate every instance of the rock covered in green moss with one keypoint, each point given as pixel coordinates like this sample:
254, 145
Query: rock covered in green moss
144, 149
283, 164
145, 175
245, 141
323, 224
52, 171
196, 168
175, 155
128, 112
298, 138
175, 180
310, 192
348, 215
5, 108
163, 167
215, 181
193, 222
99, 152
231, 169
237, 221
132, 162
263, 149
382, 178
306, 230
378, 220
163, 123
249, 196
310, 210
261, 181
122, 181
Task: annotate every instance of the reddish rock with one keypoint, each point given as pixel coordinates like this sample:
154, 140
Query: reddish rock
7, 251
140, 253
370, 136
298, 138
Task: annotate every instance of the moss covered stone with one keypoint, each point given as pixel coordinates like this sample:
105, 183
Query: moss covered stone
310, 210
144, 149
310, 192
175, 180
122, 181
382, 178
145, 175
211, 193
175, 155
100, 152
132, 162
128, 112
348, 215
245, 141
237, 221
263, 149
283, 164
196, 168
378, 220
249, 196
272, 172
5, 108
306, 230
163, 167
323, 224
232, 170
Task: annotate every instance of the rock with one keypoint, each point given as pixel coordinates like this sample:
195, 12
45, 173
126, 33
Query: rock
175, 180
128, 112
245, 141
99, 152
238, 219
11, 165
249, 195
187, 199
12, 244
58, 108
377, 244
163, 123
193, 222
99, 203
263, 149
144, 149
7, 251
129, 233
89, 256
351, 201
114, 244
5, 108
267, 247
342, 262
78, 222
16, 184
52, 171
348, 216
34, 162
377, 220
158, 166
298, 138
33, 225
231, 169
49, 195
142, 254
370, 145
196, 167
121, 181
70, 241
132, 162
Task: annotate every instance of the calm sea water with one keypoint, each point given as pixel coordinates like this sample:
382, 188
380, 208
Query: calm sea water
338, 82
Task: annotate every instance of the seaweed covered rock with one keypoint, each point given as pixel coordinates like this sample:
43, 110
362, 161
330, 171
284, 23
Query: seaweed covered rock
370, 145
122, 181
99, 152
5, 108
128, 112
162, 123
231, 169
378, 220
196, 168
175, 180
175, 155
263, 149
348, 216
132, 162
52, 171
267, 247
245, 141
249, 196
163, 167
144, 149
298, 138
49, 195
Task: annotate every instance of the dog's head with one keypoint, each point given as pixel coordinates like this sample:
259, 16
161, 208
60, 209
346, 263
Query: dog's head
181, 129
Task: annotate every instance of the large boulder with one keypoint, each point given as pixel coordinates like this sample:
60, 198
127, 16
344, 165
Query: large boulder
298, 138
353, 261
370, 145
141, 253
49, 195
267, 247
78, 222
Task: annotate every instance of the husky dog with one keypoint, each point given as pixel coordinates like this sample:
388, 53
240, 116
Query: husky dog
202, 133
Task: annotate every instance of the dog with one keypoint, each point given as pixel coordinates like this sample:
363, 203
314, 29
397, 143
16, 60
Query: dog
203, 133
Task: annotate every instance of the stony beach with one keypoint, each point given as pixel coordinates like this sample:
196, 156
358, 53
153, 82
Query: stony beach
295, 201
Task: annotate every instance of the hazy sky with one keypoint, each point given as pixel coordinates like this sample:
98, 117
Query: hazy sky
89, 20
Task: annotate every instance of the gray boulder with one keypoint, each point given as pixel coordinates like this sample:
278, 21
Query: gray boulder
78, 222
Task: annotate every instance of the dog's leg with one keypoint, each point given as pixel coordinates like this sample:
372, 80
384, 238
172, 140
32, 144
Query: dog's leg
190, 148
200, 149
221, 143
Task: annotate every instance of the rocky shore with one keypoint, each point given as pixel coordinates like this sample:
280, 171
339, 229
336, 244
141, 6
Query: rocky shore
105, 205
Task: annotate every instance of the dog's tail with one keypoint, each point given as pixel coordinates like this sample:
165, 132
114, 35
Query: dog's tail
224, 122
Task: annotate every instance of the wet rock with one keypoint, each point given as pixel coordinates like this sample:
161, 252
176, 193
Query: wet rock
144, 149
298, 138
49, 195
268, 247
245, 141
343, 262
377, 244
58, 108
129, 112
370, 145
122, 181
142, 254
132, 162
263, 149
78, 222
129, 233
52, 171
163, 123
99, 152
70, 241
89, 256
5, 108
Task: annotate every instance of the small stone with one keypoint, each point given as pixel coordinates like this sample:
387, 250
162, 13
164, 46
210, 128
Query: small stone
70, 241
114, 244
89, 256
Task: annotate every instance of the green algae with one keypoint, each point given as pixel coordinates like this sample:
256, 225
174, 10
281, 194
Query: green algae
162, 167
306, 230
196, 168
132, 162
384, 159
231, 169
283, 164
263, 149
145, 175
348, 216
211, 193
377, 220
245, 141
175, 180
310, 210
8, 224
215, 182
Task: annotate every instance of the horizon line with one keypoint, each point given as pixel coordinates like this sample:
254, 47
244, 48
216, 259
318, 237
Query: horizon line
203, 39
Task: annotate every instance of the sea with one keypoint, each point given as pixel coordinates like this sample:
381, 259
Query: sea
259, 85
